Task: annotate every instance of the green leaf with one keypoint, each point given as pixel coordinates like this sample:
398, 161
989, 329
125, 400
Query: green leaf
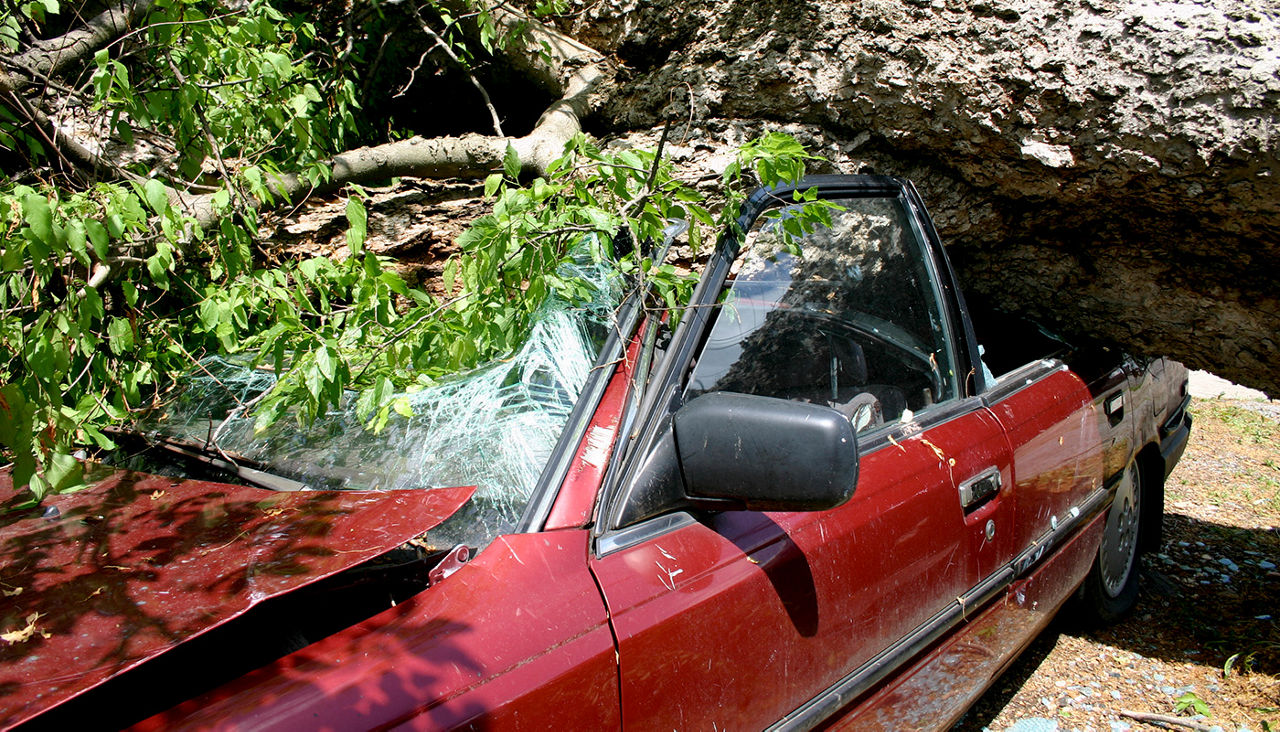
35, 209
1191, 701
357, 224
97, 237
64, 473
450, 277
17, 432
402, 407
324, 363
76, 242
38, 487
120, 335
91, 305
115, 225
510, 163
156, 196
491, 184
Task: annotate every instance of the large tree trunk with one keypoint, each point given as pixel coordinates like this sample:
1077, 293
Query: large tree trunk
1108, 166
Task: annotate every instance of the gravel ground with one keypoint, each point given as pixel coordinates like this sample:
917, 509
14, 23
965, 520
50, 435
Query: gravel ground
1203, 644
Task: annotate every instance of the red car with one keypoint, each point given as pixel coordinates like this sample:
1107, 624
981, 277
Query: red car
833, 494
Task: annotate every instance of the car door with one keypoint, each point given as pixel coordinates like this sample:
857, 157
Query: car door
740, 619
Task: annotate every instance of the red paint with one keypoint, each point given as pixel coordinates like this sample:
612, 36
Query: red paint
936, 690
138, 564
1057, 451
517, 638
577, 497
738, 619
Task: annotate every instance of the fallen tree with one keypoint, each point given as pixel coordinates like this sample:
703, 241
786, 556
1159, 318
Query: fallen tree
120, 272
1106, 168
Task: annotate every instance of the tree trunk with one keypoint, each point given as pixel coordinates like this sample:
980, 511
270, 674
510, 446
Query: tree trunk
1106, 166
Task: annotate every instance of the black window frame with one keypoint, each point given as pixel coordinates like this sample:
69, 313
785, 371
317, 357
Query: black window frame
666, 384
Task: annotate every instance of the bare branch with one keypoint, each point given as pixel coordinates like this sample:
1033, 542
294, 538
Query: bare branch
1164, 719
443, 45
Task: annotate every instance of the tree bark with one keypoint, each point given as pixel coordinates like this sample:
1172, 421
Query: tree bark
1109, 168
562, 65
53, 56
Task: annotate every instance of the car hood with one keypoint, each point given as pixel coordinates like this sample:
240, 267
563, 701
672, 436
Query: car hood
95, 583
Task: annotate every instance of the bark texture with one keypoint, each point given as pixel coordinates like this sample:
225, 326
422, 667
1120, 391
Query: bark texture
1110, 166
567, 69
53, 56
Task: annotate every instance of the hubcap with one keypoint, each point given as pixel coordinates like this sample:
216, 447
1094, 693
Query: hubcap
1117, 557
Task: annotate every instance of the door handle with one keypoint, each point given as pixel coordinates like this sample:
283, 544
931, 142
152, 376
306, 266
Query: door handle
979, 489
1114, 407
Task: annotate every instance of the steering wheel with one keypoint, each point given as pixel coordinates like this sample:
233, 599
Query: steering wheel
862, 411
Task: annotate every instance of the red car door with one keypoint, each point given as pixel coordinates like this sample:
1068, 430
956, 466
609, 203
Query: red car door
737, 619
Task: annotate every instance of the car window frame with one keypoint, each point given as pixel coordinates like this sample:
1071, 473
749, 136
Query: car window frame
664, 394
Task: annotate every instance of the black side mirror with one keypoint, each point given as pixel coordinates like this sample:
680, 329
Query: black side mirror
764, 454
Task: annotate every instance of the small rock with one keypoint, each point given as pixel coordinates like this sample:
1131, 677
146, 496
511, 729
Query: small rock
1266, 565
1115, 695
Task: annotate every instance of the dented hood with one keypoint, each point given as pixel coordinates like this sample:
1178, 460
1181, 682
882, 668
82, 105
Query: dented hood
97, 582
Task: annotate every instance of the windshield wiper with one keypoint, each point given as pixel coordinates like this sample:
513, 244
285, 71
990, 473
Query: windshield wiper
213, 457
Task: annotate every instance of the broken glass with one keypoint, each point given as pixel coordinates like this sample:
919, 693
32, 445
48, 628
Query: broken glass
493, 427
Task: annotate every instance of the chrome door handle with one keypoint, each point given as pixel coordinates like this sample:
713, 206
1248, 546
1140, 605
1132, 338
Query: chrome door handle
980, 489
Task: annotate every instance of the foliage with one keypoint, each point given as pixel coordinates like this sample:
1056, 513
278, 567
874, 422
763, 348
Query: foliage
1189, 700
108, 293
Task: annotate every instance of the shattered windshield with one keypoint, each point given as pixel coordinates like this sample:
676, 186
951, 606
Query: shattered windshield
493, 427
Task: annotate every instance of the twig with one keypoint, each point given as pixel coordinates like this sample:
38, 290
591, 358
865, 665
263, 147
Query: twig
1165, 719
405, 331
444, 46
208, 136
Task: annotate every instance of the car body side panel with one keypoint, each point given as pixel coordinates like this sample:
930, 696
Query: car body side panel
577, 497
739, 618
516, 638
1057, 452
943, 683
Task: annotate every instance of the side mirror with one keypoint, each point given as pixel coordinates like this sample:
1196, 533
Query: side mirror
738, 451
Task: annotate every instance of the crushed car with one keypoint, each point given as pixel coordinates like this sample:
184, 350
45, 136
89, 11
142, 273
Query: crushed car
834, 492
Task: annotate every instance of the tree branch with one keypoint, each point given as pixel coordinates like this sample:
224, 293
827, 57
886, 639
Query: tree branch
78, 156
562, 64
1164, 719
443, 45
52, 56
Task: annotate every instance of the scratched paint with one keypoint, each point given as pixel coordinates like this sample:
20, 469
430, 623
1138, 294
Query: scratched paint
130, 568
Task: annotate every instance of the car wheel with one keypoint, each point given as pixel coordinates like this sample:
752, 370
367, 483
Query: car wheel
1111, 589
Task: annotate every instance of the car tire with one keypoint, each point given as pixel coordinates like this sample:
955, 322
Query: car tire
1111, 588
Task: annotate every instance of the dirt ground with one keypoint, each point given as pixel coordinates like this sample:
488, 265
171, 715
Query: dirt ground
1203, 644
